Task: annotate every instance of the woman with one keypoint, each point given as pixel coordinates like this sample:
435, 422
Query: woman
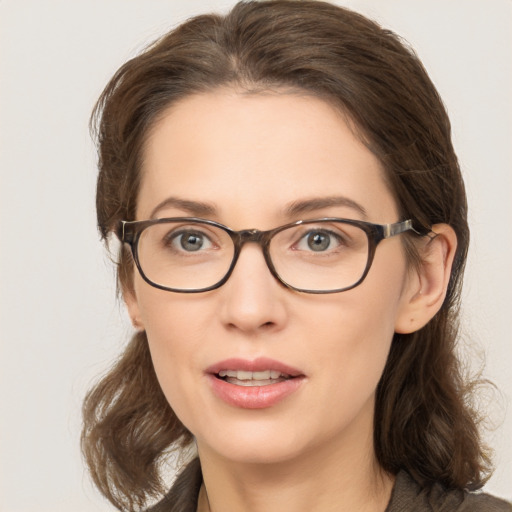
294, 233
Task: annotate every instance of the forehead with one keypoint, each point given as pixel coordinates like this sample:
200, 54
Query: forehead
253, 154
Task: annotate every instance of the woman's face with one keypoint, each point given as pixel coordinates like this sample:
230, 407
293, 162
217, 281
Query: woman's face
244, 160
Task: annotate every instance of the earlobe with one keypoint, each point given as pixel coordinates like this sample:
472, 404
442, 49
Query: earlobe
426, 288
132, 306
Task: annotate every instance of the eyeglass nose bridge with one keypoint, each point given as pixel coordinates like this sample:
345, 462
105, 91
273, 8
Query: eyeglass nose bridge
250, 235
256, 236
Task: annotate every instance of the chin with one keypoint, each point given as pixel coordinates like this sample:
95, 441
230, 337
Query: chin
254, 444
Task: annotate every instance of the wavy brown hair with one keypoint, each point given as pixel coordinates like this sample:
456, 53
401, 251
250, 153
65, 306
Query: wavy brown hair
424, 420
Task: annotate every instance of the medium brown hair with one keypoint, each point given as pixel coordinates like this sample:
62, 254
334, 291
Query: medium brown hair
424, 421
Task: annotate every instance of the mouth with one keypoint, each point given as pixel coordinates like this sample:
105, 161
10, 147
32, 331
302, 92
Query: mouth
258, 372
254, 384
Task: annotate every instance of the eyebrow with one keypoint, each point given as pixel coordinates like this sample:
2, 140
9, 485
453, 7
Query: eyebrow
195, 208
309, 205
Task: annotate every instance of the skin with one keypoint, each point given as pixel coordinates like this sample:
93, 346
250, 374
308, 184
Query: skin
250, 156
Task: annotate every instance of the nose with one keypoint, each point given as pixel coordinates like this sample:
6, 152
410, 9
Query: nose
252, 299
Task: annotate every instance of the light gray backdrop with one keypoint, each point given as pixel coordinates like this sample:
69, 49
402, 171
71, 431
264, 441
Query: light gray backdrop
60, 323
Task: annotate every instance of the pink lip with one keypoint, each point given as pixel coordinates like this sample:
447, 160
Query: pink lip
254, 397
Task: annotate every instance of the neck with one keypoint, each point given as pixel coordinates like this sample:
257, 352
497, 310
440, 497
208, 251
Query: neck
342, 475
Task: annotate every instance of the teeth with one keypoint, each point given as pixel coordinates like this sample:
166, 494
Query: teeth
243, 375
253, 383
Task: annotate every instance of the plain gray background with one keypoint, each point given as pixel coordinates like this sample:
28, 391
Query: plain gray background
60, 322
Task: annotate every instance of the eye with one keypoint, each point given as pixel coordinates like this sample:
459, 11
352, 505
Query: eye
189, 241
319, 241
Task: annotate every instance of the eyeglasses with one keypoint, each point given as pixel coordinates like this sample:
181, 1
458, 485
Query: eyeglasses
191, 255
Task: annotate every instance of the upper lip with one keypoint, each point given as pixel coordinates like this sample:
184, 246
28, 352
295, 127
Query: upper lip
256, 365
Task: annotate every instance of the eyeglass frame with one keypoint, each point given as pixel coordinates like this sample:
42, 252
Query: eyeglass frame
129, 232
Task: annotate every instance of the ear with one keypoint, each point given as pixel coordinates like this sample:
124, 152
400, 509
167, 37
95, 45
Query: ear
132, 305
426, 286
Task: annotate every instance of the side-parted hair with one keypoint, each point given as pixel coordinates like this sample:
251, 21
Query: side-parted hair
424, 420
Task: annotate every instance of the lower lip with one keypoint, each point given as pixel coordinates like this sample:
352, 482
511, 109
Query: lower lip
254, 397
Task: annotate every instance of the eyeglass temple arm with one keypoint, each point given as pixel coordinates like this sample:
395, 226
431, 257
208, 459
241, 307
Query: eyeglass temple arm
121, 232
390, 230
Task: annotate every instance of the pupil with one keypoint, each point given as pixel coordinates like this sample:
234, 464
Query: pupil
318, 242
191, 242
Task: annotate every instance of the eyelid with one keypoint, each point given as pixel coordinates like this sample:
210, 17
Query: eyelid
202, 229
178, 231
327, 227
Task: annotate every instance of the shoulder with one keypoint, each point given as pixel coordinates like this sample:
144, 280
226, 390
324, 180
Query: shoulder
408, 496
184, 493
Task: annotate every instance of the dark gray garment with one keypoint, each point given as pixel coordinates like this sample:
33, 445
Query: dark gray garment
407, 496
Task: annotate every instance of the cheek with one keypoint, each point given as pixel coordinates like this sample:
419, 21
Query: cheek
176, 333
354, 340
353, 333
